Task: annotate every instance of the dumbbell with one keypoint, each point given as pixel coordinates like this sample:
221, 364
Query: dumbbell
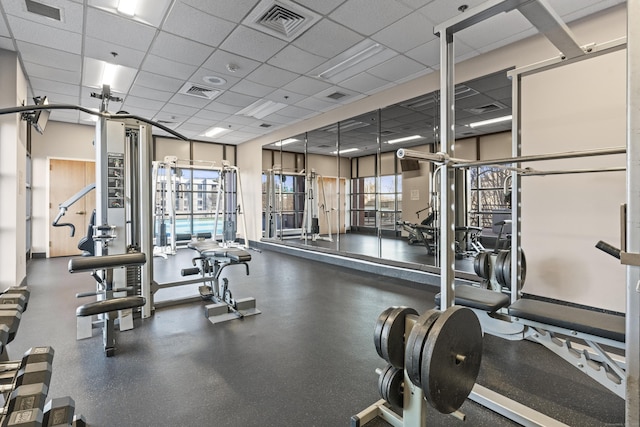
27, 418
13, 301
25, 397
20, 290
59, 412
34, 355
79, 421
11, 318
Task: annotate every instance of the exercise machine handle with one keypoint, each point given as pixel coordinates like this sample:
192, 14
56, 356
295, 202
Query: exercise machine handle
611, 250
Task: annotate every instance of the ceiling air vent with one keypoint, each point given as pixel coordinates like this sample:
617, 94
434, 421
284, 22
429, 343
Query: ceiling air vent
337, 95
283, 19
199, 91
494, 106
43, 10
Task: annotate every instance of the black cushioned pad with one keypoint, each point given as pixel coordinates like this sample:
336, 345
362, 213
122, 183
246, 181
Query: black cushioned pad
106, 306
90, 263
482, 299
576, 319
234, 254
203, 245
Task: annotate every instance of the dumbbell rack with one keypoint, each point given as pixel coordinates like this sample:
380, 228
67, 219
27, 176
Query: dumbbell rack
414, 400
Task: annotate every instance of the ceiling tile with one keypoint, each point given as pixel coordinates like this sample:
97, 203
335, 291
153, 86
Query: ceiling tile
284, 96
236, 99
220, 107
440, 11
50, 73
201, 73
6, 44
155, 81
71, 14
189, 101
369, 16
149, 12
253, 44
315, 104
494, 29
295, 59
407, 33
247, 87
272, 76
327, 39
4, 30
49, 57
221, 61
193, 24
56, 98
570, 11
396, 68
102, 49
44, 86
144, 92
306, 85
168, 68
295, 112
180, 109
323, 7
211, 116
67, 116
507, 40
45, 35
428, 53
180, 49
120, 31
134, 101
232, 10
364, 83
239, 121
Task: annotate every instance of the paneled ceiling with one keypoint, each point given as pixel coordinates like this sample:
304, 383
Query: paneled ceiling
198, 64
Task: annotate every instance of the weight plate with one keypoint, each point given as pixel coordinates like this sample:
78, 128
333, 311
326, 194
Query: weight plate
482, 265
377, 331
451, 359
415, 343
502, 260
393, 333
391, 387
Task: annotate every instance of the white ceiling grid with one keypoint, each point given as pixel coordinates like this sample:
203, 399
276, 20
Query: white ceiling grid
170, 43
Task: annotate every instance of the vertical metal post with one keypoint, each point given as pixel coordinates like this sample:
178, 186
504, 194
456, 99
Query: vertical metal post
632, 402
101, 180
447, 178
145, 225
378, 184
516, 183
326, 208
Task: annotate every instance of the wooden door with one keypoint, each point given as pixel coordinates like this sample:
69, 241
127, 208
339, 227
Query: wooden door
66, 178
328, 191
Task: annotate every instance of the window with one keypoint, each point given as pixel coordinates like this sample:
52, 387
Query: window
487, 195
363, 202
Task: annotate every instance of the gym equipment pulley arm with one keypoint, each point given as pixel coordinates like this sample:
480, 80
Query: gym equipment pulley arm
67, 203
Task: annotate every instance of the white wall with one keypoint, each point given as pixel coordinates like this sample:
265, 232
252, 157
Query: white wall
13, 137
60, 141
576, 107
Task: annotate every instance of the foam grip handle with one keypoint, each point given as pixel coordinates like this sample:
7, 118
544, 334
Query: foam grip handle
611, 250
190, 271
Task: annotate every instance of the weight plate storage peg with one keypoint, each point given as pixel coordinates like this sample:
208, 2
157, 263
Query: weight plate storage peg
393, 336
390, 386
415, 344
451, 359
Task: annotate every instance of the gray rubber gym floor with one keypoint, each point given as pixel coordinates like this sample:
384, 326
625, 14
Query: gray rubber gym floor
307, 360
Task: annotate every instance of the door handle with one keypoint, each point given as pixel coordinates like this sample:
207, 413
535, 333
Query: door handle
80, 212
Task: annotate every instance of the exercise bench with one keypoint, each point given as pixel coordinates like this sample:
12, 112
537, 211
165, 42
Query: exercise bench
214, 258
108, 302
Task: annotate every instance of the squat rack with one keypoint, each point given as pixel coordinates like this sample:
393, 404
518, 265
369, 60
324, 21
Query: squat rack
548, 23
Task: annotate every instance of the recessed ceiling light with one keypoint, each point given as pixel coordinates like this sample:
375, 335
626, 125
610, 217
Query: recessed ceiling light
405, 139
490, 121
215, 131
346, 150
214, 80
127, 7
285, 142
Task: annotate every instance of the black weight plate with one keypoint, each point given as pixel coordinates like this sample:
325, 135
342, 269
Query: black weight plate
502, 260
451, 359
382, 380
377, 332
393, 333
415, 343
391, 387
482, 265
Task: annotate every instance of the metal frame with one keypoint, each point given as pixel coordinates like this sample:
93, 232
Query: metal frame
548, 23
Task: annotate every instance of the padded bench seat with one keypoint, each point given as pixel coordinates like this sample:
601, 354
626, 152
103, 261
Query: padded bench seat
114, 304
590, 322
202, 245
482, 299
234, 254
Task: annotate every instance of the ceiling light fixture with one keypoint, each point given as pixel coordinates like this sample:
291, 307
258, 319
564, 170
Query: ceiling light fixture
405, 139
261, 109
214, 80
285, 142
215, 131
109, 74
490, 121
127, 7
346, 150
352, 60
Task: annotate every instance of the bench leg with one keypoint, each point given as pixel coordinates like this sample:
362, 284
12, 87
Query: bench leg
84, 326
